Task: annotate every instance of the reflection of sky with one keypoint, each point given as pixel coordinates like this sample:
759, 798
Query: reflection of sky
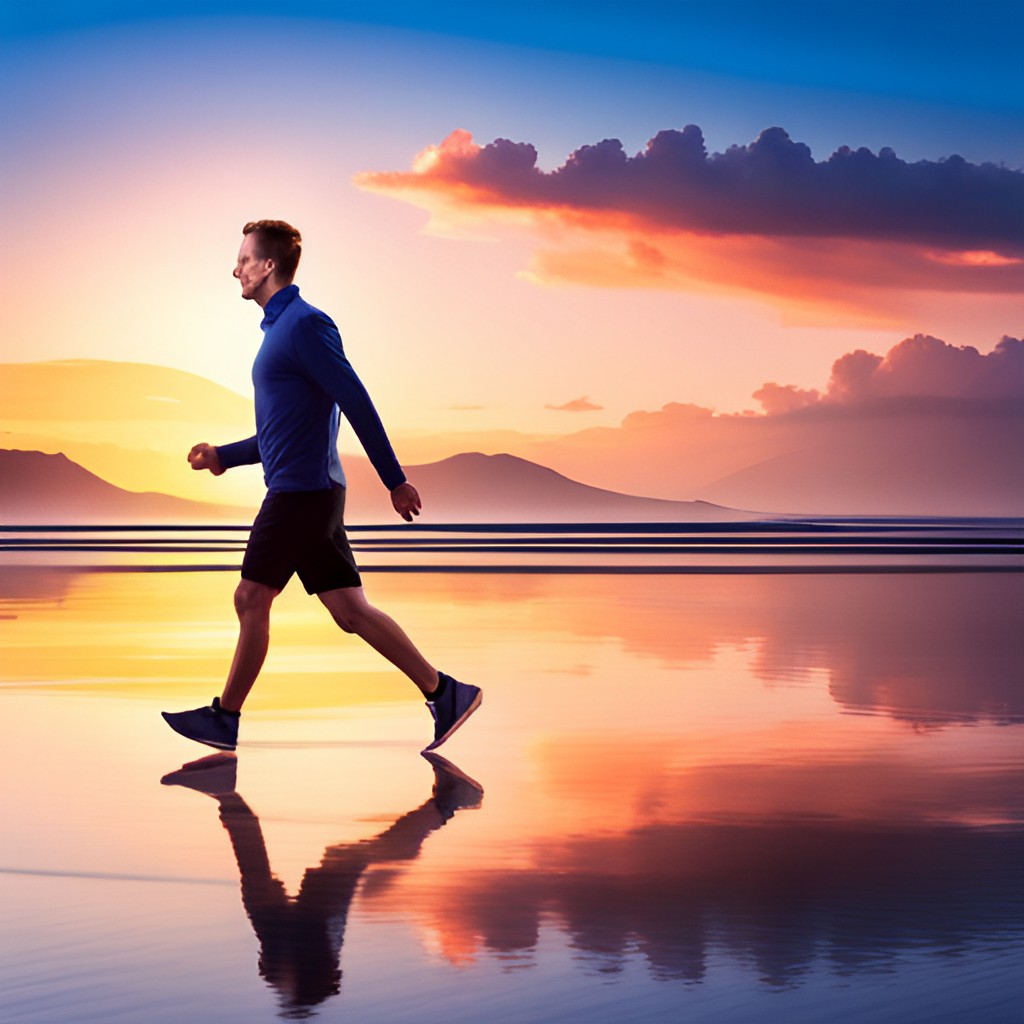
678, 799
897, 644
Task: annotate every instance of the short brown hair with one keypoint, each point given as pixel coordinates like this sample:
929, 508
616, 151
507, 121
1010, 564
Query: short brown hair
278, 241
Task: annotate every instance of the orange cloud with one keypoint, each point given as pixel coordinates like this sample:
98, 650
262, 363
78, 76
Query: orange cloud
582, 404
928, 428
846, 236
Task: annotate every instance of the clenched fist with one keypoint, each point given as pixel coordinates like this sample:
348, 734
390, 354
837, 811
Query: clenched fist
204, 456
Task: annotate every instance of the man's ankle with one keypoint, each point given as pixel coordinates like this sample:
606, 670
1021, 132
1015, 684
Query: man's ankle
233, 712
436, 692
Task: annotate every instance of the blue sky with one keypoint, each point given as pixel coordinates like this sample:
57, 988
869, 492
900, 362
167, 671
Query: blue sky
140, 136
940, 50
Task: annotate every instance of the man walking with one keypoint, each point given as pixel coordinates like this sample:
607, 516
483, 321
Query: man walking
301, 380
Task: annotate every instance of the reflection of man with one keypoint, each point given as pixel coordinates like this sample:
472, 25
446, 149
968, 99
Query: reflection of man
302, 379
300, 938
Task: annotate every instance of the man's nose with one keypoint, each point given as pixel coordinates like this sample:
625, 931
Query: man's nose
237, 271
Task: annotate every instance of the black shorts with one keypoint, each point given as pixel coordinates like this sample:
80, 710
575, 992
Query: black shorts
301, 532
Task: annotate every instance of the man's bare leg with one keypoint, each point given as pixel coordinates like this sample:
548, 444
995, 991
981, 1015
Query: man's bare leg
252, 603
354, 614
217, 725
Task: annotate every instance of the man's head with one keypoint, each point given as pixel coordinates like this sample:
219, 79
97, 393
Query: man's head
267, 259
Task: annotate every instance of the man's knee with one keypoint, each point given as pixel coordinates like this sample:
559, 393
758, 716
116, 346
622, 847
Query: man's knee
253, 598
347, 606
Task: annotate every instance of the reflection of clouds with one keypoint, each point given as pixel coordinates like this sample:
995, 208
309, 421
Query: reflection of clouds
783, 896
638, 783
925, 648
787, 860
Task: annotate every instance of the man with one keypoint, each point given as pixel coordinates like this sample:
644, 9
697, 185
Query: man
301, 379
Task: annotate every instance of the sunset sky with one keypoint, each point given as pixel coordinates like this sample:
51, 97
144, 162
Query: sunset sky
530, 219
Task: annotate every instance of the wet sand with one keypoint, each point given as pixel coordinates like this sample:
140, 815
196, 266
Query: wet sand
710, 796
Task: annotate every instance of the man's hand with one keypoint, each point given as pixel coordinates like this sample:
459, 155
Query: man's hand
204, 456
406, 501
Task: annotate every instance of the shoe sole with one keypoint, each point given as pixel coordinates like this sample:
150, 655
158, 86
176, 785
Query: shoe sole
458, 723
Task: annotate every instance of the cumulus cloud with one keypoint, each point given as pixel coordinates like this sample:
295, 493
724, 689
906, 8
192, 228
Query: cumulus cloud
844, 233
576, 405
779, 398
918, 368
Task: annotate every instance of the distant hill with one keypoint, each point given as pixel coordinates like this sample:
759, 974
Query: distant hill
921, 465
129, 423
39, 488
504, 488
50, 489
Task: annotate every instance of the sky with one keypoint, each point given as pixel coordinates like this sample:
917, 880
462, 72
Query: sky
533, 219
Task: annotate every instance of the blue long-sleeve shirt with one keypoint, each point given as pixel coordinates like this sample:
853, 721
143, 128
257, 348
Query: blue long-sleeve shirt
302, 379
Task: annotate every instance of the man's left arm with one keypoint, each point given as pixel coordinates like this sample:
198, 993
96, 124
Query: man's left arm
327, 364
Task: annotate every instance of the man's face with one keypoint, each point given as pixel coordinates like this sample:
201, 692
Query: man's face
251, 271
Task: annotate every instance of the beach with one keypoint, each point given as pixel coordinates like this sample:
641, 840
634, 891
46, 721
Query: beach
701, 795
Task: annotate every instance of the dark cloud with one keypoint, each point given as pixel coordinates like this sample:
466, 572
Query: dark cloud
771, 187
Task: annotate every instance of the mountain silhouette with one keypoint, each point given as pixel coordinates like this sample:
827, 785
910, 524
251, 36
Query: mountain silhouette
40, 488
473, 487
37, 488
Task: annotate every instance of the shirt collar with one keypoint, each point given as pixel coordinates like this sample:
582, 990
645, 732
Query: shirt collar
276, 306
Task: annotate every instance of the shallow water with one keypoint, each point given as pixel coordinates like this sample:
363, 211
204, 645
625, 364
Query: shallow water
712, 797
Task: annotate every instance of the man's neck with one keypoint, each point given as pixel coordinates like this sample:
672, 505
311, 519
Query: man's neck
267, 291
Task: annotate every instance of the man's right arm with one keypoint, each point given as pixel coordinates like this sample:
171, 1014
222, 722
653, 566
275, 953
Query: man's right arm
226, 456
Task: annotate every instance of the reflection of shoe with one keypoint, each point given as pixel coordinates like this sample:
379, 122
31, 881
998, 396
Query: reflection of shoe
455, 704
454, 790
214, 775
212, 725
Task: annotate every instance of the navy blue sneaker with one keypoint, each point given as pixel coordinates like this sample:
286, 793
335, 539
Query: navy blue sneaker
452, 706
212, 726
